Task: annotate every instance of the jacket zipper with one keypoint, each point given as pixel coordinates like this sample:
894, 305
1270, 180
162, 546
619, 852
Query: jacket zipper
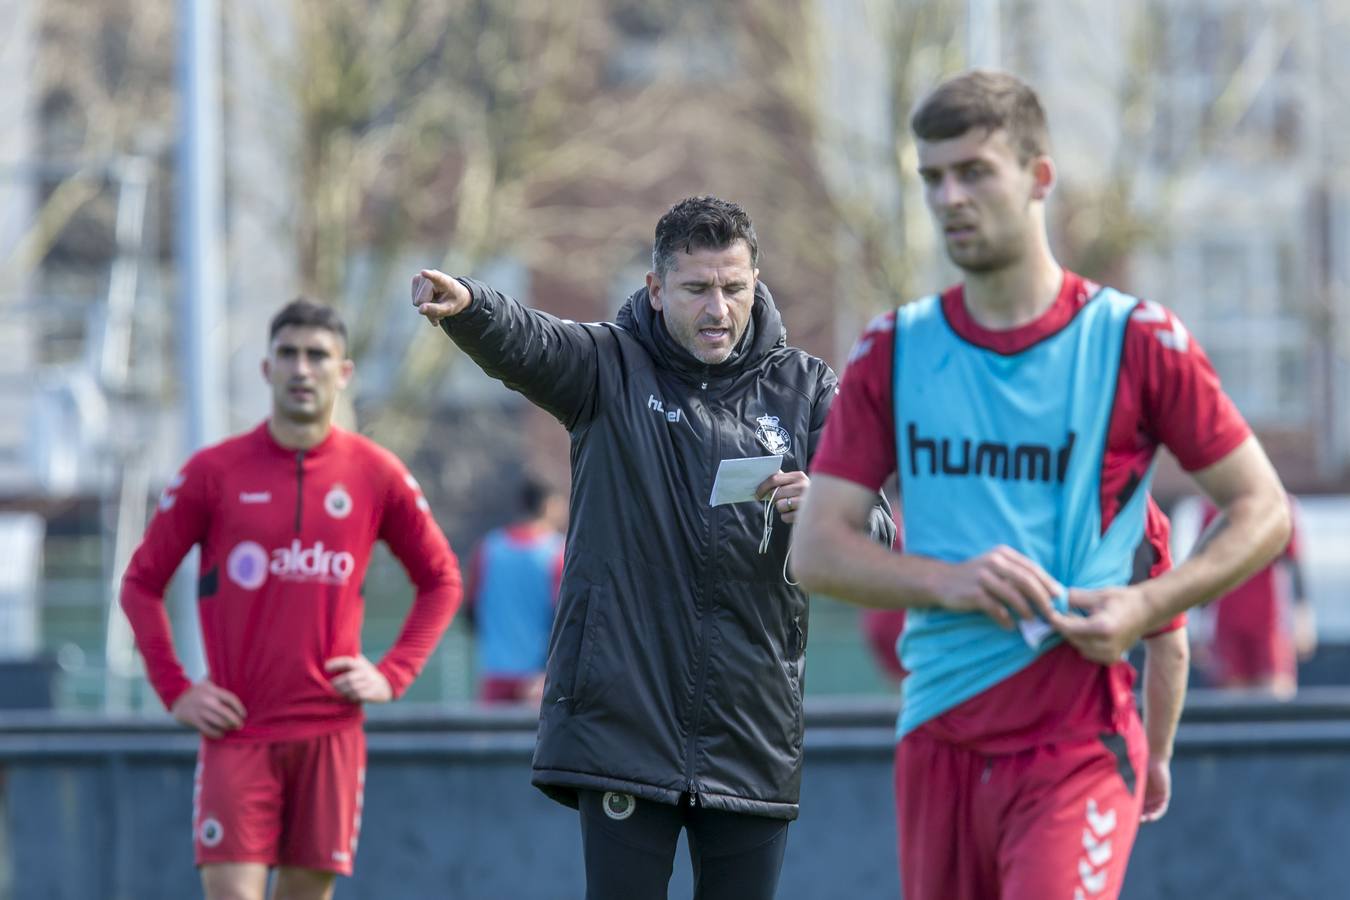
704, 622
299, 487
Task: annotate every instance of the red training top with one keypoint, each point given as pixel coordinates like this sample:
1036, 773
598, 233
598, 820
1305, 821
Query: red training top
285, 537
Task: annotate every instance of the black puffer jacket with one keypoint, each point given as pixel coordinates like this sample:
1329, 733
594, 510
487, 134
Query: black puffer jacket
675, 662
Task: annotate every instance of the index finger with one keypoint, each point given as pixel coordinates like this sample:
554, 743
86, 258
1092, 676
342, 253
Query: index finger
777, 479
1037, 571
1087, 601
340, 664
1034, 589
231, 701
438, 280
222, 716
422, 289
1071, 626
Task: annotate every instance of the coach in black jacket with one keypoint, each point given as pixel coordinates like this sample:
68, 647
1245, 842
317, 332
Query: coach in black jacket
674, 688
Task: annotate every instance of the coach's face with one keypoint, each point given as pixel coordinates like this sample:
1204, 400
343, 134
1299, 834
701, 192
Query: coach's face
985, 200
306, 367
706, 299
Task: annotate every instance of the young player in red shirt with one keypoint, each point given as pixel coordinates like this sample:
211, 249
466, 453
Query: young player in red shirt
286, 516
1022, 410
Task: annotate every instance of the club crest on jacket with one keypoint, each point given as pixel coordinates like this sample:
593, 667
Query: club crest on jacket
772, 435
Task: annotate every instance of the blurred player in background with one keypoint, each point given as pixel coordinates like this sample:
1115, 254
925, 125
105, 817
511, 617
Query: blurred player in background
881, 630
1021, 411
286, 516
1263, 628
512, 593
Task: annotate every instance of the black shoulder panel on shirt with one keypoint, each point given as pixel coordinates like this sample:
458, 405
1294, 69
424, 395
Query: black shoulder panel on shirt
208, 584
1116, 744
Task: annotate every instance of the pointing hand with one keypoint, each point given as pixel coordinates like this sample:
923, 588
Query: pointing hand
438, 296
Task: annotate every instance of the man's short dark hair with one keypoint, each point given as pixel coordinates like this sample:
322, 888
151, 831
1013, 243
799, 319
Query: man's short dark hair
701, 223
535, 493
989, 100
305, 313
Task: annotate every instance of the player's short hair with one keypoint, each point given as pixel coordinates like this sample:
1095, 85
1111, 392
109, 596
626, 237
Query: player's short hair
535, 492
701, 223
306, 313
987, 99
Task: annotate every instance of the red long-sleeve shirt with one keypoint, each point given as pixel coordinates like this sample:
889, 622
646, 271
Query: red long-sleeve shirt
285, 538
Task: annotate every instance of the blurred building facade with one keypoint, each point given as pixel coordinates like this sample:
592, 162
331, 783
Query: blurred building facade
92, 400
1201, 149
1201, 146
1239, 196
1203, 164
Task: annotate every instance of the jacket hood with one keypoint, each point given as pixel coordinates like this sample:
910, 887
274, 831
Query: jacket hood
764, 333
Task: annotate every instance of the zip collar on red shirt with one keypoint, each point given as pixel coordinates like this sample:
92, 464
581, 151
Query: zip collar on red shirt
264, 434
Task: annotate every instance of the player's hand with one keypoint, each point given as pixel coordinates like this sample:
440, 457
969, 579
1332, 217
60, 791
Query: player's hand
1157, 789
438, 296
1001, 583
534, 691
1116, 619
358, 680
791, 493
209, 708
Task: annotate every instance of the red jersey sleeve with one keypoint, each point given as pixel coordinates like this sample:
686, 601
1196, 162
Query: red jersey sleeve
1183, 405
1158, 532
858, 443
409, 530
181, 520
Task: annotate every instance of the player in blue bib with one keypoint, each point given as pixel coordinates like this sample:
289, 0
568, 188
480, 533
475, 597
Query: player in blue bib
1020, 412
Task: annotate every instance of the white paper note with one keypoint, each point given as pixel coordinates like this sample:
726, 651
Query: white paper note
1037, 630
737, 478
1034, 631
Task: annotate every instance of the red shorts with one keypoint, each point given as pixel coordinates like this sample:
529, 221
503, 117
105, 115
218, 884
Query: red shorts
1057, 820
280, 803
509, 689
1246, 656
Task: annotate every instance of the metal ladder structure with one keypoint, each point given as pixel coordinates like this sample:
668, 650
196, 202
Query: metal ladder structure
68, 428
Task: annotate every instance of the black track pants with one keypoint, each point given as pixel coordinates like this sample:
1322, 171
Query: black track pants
629, 847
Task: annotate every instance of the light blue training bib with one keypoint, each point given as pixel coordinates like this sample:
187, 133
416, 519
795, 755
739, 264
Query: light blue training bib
997, 448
